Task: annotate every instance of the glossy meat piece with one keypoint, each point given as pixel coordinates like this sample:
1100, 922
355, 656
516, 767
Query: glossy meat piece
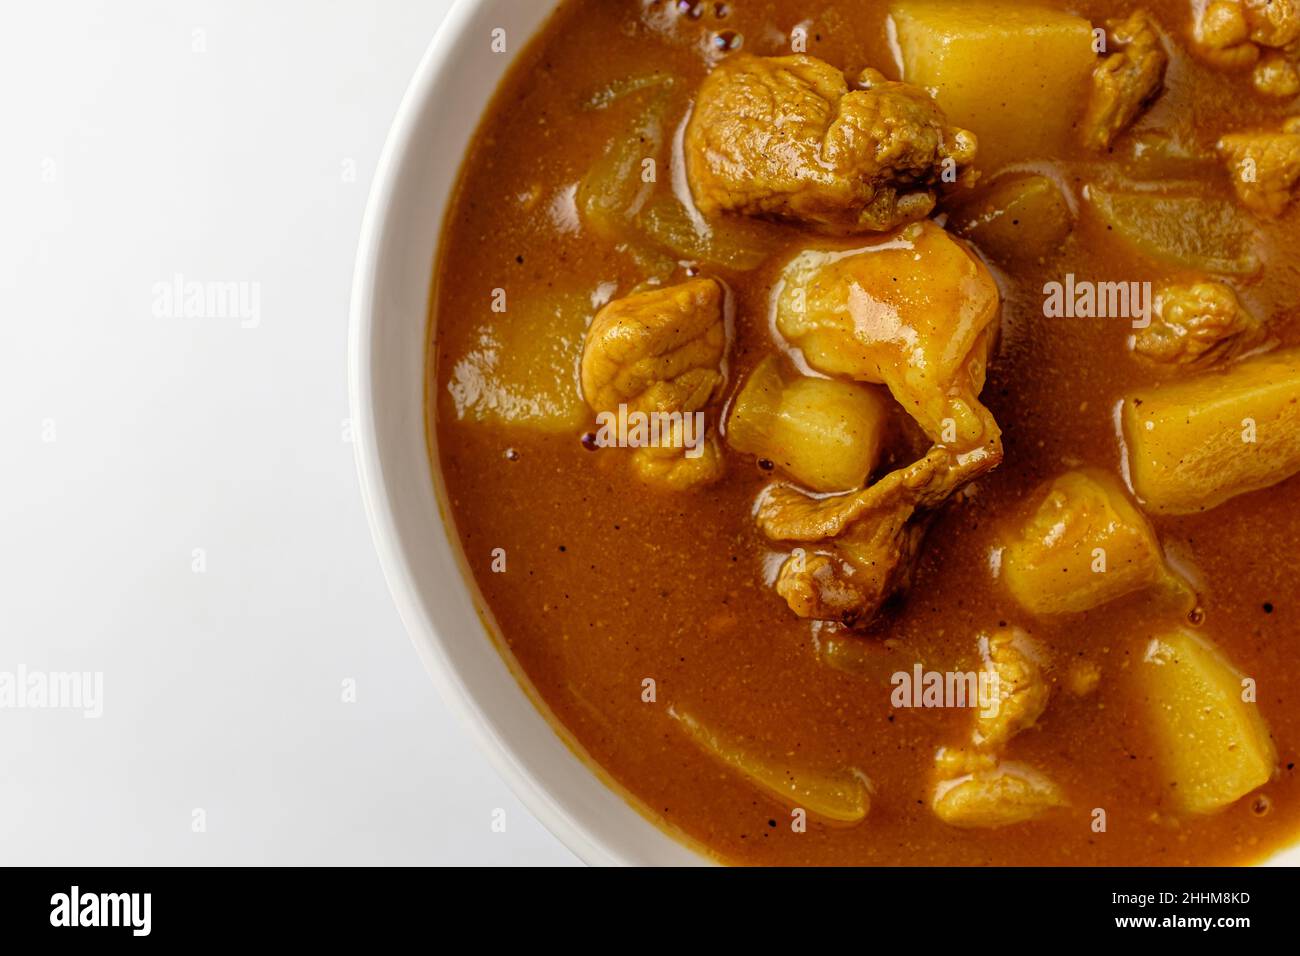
978, 791
786, 137
917, 313
1125, 82
1021, 687
1198, 324
1264, 167
661, 351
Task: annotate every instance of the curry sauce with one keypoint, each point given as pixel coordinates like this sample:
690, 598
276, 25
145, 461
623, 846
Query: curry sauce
629, 605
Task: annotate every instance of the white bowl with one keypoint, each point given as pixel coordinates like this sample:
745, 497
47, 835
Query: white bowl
404, 498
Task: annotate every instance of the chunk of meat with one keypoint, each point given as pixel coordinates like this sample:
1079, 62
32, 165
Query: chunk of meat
1198, 324
1020, 685
1264, 167
979, 791
868, 540
1221, 36
976, 788
1273, 23
660, 349
1125, 82
1232, 34
661, 352
1276, 75
667, 467
917, 313
785, 137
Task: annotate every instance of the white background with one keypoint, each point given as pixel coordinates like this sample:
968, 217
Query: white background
222, 141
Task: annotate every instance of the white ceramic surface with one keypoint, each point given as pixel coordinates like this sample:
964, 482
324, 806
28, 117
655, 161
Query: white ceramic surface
408, 200
430, 134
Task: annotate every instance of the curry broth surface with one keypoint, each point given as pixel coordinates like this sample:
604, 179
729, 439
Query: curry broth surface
609, 582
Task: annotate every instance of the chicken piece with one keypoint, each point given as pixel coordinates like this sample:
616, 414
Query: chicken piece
1198, 325
979, 791
667, 467
1221, 35
785, 137
660, 352
1276, 75
1264, 167
869, 539
661, 349
1125, 82
917, 313
1273, 23
1020, 684
1232, 34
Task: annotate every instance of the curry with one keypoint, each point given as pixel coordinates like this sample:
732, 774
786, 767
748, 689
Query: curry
872, 426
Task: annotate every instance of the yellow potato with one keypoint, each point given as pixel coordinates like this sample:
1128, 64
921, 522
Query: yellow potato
1195, 443
1084, 545
825, 434
840, 797
1015, 75
1213, 746
523, 369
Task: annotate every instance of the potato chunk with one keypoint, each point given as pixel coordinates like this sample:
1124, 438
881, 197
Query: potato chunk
522, 369
837, 797
1194, 444
1013, 74
1214, 747
1085, 544
823, 433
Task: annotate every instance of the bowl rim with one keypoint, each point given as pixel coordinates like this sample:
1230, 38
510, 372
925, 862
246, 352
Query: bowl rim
429, 75
378, 503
